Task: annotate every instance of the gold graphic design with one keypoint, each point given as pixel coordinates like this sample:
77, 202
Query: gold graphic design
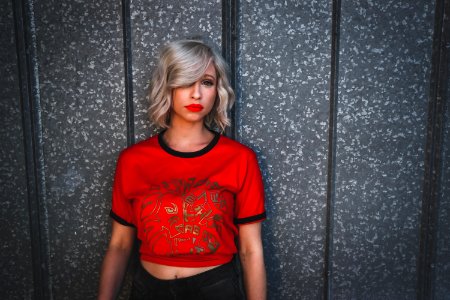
191, 219
173, 210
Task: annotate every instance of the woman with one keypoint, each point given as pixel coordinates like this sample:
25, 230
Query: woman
187, 192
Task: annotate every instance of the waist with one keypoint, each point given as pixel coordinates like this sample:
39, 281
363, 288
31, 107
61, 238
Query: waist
165, 272
162, 274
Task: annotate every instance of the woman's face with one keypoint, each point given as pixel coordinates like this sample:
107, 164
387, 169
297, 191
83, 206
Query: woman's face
194, 102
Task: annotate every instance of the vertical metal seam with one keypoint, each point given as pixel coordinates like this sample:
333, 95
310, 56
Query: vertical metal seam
25, 36
331, 159
229, 52
432, 161
128, 71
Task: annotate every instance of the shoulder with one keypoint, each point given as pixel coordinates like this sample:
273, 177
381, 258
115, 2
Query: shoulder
139, 149
232, 146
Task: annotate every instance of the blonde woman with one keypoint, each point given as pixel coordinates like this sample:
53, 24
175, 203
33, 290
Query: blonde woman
193, 197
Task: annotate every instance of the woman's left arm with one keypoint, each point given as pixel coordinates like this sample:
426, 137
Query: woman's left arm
252, 261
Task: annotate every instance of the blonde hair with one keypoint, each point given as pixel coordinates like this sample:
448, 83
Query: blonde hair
182, 63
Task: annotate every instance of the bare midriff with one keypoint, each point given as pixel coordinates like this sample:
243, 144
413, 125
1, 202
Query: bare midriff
164, 272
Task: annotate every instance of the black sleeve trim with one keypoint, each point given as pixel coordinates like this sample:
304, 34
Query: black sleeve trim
119, 219
251, 219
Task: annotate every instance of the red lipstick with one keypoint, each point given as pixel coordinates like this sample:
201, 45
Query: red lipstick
194, 107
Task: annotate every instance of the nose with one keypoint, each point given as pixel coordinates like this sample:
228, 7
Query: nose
196, 91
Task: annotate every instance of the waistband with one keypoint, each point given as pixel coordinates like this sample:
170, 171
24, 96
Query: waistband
218, 272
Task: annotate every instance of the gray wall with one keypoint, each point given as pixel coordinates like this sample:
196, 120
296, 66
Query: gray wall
384, 76
16, 271
334, 97
442, 262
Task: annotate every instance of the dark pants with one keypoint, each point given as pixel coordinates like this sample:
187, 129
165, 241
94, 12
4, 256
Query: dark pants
221, 283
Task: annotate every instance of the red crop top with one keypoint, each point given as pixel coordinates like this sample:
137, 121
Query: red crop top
186, 206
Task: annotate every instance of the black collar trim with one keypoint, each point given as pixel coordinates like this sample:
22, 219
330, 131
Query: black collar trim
200, 152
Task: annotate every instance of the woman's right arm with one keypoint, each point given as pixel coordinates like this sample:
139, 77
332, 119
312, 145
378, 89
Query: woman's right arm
115, 261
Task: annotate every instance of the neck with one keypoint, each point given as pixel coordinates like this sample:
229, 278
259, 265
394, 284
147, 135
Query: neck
186, 130
187, 137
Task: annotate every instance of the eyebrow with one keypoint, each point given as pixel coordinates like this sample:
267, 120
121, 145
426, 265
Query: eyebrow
209, 75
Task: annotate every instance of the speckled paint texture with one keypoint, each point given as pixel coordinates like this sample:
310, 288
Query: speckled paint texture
385, 53
282, 113
154, 23
83, 112
442, 264
15, 255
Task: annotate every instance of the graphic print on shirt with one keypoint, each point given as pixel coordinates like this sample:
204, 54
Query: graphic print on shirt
184, 216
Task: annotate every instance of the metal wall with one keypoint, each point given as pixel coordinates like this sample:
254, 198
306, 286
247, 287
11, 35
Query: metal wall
16, 255
383, 85
345, 103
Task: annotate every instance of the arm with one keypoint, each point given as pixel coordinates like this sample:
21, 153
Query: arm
115, 261
252, 261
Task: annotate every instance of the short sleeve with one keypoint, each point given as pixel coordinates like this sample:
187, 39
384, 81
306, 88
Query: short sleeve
249, 206
121, 210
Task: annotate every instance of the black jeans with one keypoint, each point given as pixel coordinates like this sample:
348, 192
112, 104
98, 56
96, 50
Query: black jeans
221, 283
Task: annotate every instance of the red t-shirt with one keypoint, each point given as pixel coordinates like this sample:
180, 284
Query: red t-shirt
187, 206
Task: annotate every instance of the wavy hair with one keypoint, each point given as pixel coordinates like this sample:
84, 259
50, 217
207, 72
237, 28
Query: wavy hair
181, 64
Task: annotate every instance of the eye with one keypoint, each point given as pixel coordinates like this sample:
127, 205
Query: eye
207, 82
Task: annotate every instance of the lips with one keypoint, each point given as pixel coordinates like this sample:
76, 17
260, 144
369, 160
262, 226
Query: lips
194, 107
